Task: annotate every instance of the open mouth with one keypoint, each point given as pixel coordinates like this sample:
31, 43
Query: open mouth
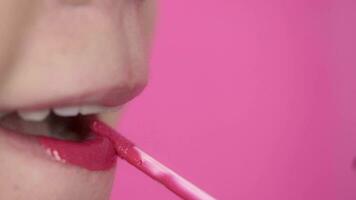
64, 134
61, 128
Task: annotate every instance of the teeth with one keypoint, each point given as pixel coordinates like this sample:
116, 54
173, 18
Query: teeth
40, 115
88, 110
67, 111
34, 115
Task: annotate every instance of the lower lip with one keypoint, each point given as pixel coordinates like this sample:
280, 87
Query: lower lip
95, 154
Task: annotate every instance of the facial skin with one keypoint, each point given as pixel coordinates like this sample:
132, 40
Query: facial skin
81, 50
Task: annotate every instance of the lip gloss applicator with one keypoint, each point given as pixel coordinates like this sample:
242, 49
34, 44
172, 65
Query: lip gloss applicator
128, 151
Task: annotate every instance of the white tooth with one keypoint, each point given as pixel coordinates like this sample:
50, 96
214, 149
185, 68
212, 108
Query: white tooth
36, 116
88, 110
67, 111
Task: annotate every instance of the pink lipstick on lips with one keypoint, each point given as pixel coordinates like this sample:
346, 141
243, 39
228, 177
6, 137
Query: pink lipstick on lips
95, 154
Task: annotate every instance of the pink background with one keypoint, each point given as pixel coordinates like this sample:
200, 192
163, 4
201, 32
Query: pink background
250, 99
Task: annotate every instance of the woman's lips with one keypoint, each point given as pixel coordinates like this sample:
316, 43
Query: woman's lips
96, 153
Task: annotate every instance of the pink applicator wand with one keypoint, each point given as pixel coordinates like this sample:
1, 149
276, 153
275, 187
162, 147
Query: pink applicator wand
142, 161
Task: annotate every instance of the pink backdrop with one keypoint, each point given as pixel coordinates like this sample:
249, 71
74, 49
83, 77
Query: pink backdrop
250, 99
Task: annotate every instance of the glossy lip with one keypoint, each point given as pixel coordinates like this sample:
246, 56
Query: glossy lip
94, 154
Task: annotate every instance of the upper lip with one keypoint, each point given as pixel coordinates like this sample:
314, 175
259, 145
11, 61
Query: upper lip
110, 97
